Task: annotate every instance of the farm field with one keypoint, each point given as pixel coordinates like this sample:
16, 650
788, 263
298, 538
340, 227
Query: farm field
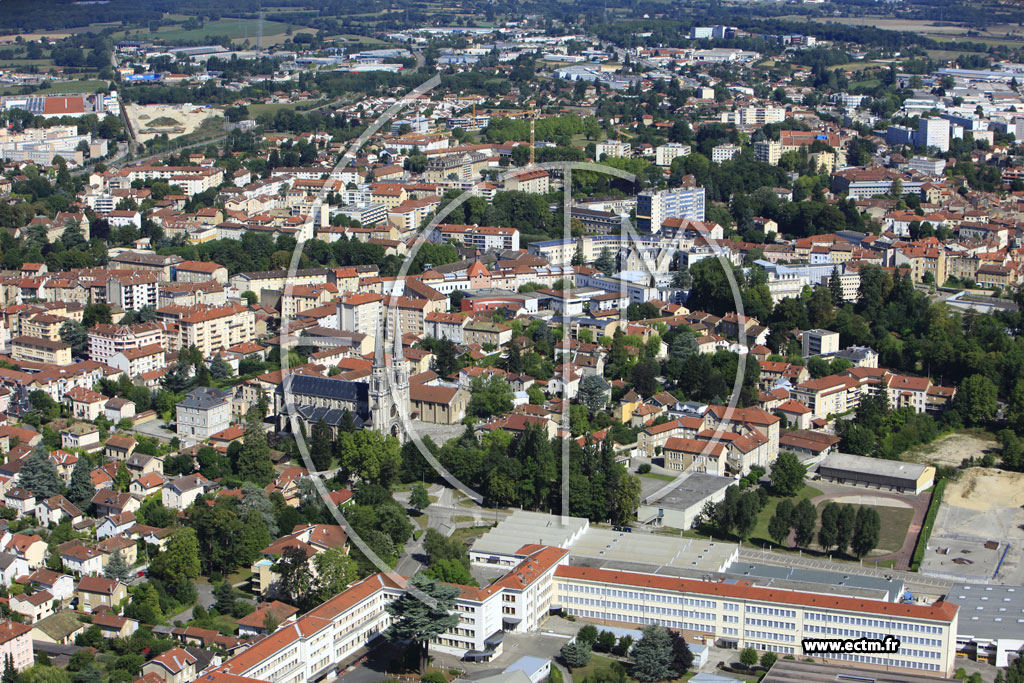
235, 29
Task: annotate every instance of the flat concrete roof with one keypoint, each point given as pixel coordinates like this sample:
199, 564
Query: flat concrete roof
892, 588
693, 489
874, 466
523, 527
796, 671
989, 611
653, 550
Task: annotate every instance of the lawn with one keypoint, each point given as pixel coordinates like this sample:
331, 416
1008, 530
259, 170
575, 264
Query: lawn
235, 29
659, 475
760, 534
469, 533
598, 662
895, 523
74, 87
274, 107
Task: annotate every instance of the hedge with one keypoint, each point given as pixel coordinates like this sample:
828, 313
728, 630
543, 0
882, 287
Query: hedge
926, 527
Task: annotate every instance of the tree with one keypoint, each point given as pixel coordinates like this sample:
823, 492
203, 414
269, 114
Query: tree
145, 604
866, 531
787, 474
117, 568
74, 333
605, 262
81, 489
295, 581
220, 368
10, 674
605, 641
320, 446
835, 287
254, 462
122, 478
575, 654
975, 400
179, 560
845, 524
748, 657
418, 621
682, 657
829, 531
96, 313
418, 498
592, 393
768, 659
653, 656
490, 397
39, 475
805, 518
781, 522
587, 635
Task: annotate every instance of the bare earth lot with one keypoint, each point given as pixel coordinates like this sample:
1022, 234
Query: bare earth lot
982, 505
149, 120
950, 450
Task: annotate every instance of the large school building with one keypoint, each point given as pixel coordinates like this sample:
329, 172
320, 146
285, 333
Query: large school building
729, 613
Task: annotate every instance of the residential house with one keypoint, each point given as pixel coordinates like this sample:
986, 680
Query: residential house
179, 493
80, 435
60, 629
173, 666
33, 606
117, 409
109, 502
81, 559
95, 591
21, 501
55, 509
112, 525
32, 549
60, 585
119, 447
113, 626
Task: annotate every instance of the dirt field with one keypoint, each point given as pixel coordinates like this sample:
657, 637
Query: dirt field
984, 489
187, 118
950, 450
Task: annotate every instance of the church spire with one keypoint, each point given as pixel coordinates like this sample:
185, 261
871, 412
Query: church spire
378, 355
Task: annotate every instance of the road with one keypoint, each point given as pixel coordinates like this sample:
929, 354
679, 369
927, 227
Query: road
206, 599
438, 518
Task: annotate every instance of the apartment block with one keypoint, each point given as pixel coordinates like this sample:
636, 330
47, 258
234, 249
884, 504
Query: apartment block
36, 350
106, 341
481, 237
209, 328
652, 208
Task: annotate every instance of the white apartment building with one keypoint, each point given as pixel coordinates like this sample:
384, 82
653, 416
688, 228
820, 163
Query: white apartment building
933, 133
209, 328
135, 291
664, 154
106, 341
481, 237
360, 313
613, 148
726, 152
754, 116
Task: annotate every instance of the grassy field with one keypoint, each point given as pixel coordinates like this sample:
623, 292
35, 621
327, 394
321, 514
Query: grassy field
75, 87
236, 29
659, 475
466, 534
598, 662
895, 523
760, 534
274, 107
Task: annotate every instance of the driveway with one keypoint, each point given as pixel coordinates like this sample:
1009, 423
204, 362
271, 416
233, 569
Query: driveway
154, 428
206, 599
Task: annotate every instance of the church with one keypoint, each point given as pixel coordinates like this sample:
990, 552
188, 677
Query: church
378, 404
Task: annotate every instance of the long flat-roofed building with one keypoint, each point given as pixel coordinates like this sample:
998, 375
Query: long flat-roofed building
737, 614
891, 475
993, 624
